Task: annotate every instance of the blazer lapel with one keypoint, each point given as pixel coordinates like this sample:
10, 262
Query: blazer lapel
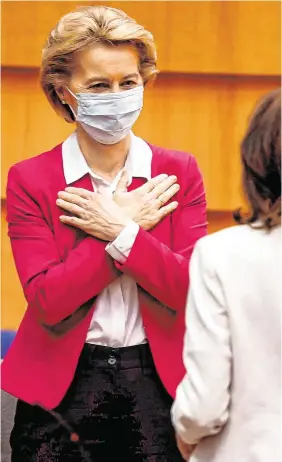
84, 183
136, 183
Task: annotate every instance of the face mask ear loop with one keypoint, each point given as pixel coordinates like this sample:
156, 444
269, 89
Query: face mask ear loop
74, 114
71, 92
77, 99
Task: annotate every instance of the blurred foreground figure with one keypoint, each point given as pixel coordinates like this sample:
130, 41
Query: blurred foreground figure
227, 407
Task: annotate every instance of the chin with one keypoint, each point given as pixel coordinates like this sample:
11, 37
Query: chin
112, 143
108, 144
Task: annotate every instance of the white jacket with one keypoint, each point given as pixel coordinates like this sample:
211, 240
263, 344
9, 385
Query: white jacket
230, 399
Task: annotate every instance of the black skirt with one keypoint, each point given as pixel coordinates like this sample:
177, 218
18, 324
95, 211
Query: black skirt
116, 407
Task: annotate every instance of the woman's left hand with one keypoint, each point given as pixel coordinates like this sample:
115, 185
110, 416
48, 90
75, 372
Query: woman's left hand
185, 449
93, 213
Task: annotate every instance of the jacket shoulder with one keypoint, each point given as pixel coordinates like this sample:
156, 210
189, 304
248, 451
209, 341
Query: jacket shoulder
184, 166
228, 245
172, 156
38, 166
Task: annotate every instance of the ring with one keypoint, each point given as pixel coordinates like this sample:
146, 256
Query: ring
162, 202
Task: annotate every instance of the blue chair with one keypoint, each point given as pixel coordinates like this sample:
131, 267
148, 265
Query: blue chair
7, 337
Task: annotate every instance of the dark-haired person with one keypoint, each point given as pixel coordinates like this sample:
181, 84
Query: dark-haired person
228, 405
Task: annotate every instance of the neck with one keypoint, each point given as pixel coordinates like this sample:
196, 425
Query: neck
105, 160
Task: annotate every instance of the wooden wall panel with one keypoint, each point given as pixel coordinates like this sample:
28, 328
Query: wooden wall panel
13, 303
193, 36
29, 124
34, 20
208, 117
234, 37
204, 115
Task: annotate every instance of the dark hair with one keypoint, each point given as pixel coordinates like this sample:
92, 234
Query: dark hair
261, 161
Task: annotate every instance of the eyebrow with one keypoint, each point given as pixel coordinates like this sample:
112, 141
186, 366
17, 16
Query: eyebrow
106, 80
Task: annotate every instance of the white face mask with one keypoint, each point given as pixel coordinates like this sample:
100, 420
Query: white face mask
108, 117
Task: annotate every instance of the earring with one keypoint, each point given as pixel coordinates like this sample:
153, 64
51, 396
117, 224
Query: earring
63, 101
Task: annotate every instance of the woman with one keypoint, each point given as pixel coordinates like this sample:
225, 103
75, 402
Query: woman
229, 403
102, 228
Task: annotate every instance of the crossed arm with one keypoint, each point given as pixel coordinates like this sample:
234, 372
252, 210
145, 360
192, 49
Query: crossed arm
55, 289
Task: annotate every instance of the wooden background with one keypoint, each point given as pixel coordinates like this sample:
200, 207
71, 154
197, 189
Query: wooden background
216, 59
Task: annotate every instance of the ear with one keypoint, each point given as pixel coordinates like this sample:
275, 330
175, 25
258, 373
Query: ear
62, 93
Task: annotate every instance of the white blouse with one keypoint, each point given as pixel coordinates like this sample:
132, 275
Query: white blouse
116, 321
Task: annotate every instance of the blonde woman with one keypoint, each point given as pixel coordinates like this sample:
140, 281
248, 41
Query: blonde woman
228, 405
102, 228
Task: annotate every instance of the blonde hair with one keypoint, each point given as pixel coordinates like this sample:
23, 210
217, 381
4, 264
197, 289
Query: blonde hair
76, 31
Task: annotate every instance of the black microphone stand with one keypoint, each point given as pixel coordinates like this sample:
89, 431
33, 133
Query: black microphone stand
74, 437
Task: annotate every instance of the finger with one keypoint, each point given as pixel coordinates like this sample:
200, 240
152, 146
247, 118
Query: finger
73, 221
149, 186
84, 193
167, 195
184, 450
72, 208
167, 209
123, 182
73, 198
187, 454
163, 186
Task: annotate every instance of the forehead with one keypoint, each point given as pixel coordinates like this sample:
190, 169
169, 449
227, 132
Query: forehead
102, 60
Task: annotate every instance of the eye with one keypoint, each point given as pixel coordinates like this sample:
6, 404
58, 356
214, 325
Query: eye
98, 86
129, 83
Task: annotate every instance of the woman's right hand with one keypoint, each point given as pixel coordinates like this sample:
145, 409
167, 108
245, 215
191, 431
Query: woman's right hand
146, 204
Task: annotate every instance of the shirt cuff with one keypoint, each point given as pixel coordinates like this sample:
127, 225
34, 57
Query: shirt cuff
120, 248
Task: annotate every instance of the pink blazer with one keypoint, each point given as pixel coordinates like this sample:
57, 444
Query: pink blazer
62, 270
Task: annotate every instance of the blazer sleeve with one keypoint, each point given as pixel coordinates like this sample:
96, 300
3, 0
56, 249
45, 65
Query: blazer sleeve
54, 289
162, 271
202, 400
